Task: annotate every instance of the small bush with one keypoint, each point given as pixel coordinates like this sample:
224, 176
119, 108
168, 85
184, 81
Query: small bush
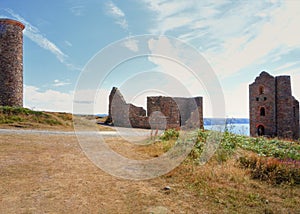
273, 170
199, 145
170, 134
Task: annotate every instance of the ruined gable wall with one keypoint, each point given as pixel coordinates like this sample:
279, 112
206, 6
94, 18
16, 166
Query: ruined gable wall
262, 95
123, 114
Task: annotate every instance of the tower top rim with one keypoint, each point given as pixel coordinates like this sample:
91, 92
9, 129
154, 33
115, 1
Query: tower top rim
12, 22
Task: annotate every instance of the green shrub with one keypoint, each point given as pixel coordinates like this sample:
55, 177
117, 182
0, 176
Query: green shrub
199, 144
170, 134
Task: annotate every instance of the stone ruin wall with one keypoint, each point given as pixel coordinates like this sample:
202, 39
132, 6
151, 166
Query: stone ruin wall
179, 111
124, 114
281, 117
174, 112
266, 99
11, 63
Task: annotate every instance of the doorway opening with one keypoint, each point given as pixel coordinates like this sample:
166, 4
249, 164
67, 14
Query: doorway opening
260, 130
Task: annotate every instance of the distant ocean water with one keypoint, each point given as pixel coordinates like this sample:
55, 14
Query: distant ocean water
235, 125
241, 129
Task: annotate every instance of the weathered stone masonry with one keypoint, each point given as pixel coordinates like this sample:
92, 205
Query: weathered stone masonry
11, 63
162, 112
274, 111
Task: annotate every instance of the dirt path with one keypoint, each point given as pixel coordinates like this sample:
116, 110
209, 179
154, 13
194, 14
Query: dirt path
42, 173
119, 131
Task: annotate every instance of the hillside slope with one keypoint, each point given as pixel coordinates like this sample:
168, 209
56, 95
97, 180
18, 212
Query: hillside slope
25, 118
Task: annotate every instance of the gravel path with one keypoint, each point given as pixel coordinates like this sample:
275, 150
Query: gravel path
119, 132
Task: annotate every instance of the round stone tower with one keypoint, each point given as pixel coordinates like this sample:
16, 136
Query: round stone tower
11, 63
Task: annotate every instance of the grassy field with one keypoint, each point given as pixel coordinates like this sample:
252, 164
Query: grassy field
51, 174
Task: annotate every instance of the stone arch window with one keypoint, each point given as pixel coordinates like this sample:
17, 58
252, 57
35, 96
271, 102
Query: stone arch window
262, 111
261, 89
260, 130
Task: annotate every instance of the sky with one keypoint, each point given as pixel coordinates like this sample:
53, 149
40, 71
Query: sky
238, 39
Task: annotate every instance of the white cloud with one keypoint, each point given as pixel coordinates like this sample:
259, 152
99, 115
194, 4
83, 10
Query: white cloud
77, 7
187, 73
58, 83
36, 36
68, 43
234, 38
294, 73
117, 14
91, 101
167, 56
87, 101
49, 100
131, 44
175, 14
295, 79
286, 67
77, 10
280, 34
237, 101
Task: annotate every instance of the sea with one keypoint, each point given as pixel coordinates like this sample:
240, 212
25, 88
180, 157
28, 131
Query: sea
238, 128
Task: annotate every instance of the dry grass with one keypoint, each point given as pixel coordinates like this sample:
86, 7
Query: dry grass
15, 117
50, 174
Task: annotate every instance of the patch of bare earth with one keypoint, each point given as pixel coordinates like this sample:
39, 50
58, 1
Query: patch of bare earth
51, 174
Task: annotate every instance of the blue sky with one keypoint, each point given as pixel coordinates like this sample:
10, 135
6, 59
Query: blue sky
239, 39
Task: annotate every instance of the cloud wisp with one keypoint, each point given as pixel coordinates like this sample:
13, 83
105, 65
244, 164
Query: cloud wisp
117, 14
59, 83
36, 36
231, 35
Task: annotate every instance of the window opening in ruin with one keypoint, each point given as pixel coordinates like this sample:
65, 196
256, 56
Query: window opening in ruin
262, 111
265, 98
260, 130
257, 99
179, 119
261, 90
